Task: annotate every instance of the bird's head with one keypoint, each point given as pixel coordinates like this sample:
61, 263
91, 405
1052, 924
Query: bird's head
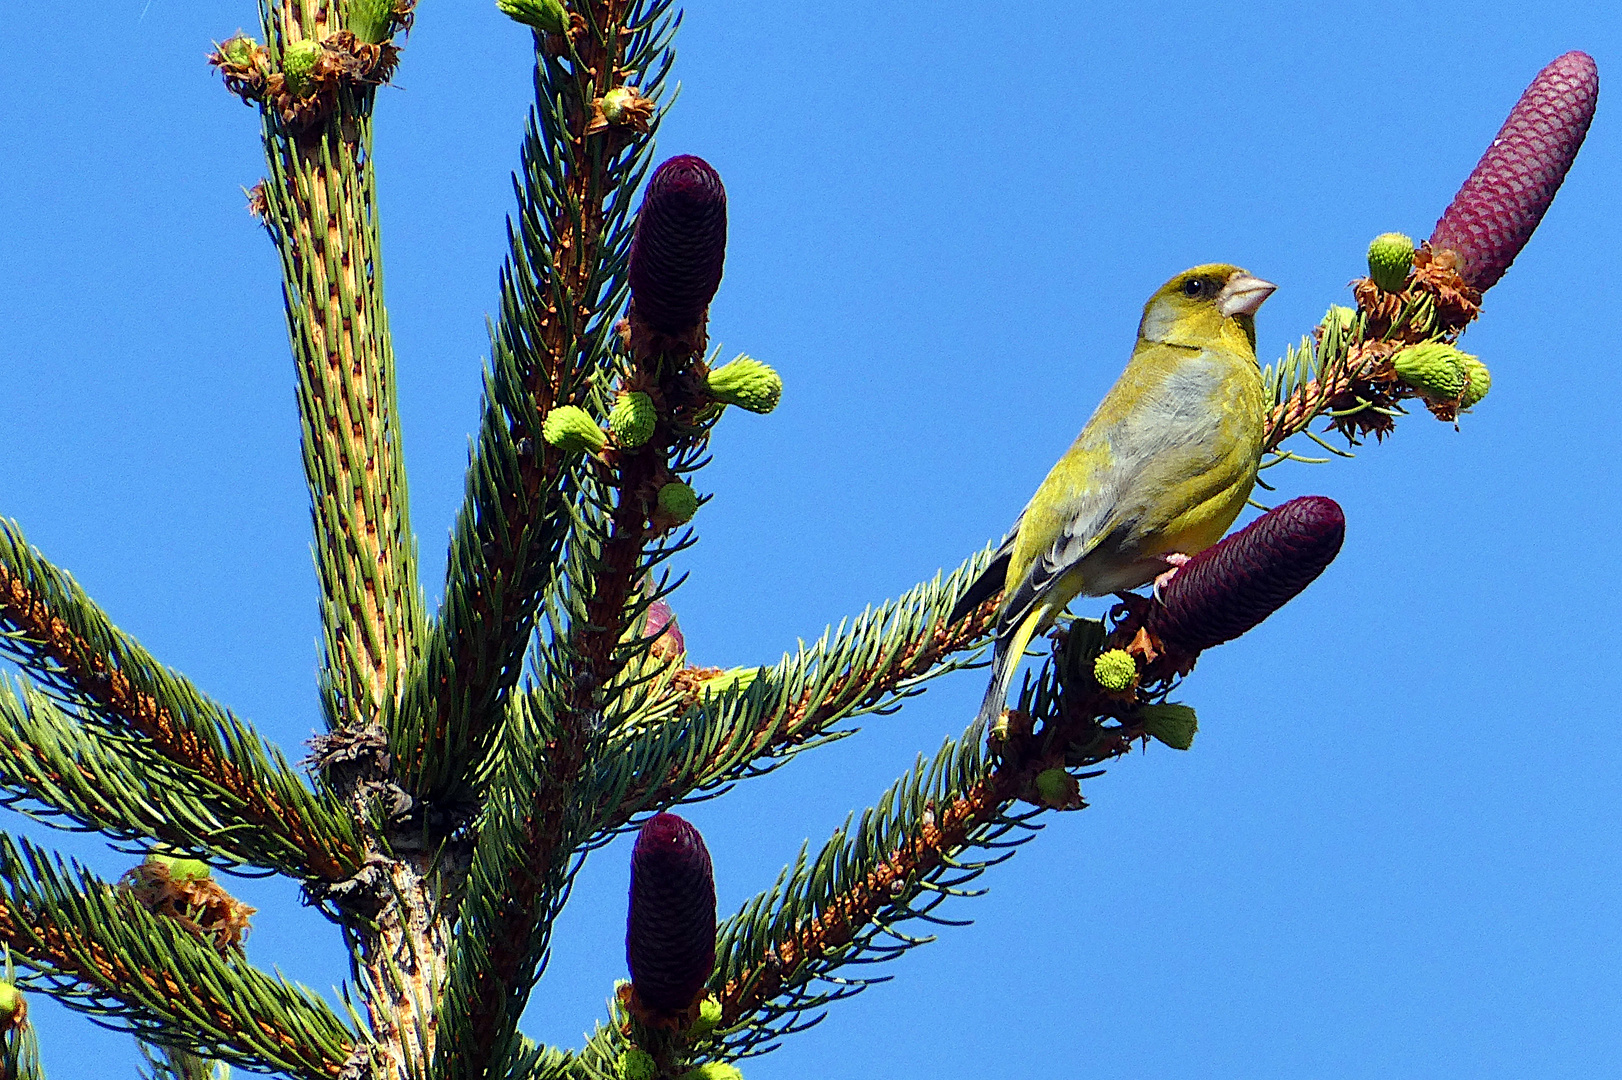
1203, 305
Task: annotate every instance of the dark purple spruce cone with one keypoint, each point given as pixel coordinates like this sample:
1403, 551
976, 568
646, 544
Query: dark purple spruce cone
679, 244
1230, 587
670, 934
1494, 213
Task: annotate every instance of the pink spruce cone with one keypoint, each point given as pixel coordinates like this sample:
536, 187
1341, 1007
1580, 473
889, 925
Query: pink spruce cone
1227, 589
668, 642
679, 245
1494, 213
670, 933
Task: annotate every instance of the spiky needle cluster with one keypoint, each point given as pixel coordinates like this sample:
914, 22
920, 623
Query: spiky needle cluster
475, 755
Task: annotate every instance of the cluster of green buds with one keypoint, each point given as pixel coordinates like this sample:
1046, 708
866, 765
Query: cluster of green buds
746, 383
1391, 257
547, 16
1441, 373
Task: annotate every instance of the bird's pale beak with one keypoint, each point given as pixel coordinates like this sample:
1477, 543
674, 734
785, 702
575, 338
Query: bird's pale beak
1243, 294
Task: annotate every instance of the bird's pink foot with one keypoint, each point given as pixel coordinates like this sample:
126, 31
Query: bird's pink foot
1175, 561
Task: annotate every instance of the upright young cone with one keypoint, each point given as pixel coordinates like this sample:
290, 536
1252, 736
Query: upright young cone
1494, 213
670, 932
668, 641
1229, 588
679, 245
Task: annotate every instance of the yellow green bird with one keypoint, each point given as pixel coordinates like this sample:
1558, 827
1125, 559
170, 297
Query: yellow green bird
1157, 475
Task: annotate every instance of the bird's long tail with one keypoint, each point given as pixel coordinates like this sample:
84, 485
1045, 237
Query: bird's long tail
1005, 658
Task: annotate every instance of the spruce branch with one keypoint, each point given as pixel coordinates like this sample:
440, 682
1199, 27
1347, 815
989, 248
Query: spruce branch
96, 950
512, 898
69, 646
866, 665
553, 344
56, 764
320, 207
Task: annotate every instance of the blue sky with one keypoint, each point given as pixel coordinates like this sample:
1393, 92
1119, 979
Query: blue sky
1392, 849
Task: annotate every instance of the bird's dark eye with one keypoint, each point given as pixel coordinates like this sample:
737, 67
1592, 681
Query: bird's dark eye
1193, 287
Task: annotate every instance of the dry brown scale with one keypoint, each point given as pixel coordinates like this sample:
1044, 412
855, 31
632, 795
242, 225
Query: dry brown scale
202, 906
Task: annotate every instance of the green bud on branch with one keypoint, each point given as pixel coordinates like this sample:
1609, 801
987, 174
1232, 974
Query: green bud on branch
298, 65
1434, 369
715, 1070
709, 1018
637, 1064
679, 501
372, 21
181, 869
571, 428
1115, 670
1057, 788
547, 16
11, 1004
1478, 380
1391, 256
748, 384
632, 419
1173, 725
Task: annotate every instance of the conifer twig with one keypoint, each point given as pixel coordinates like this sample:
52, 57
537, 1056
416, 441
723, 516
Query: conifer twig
68, 645
320, 206
99, 952
551, 345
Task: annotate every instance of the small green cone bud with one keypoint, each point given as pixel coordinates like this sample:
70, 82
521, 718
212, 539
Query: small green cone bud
679, 501
637, 1064
1480, 380
748, 384
1115, 670
715, 1070
371, 20
1339, 315
738, 679
614, 103
571, 428
11, 1000
1391, 256
298, 64
1432, 368
1173, 725
631, 419
1057, 787
181, 869
547, 16
709, 1018
239, 51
